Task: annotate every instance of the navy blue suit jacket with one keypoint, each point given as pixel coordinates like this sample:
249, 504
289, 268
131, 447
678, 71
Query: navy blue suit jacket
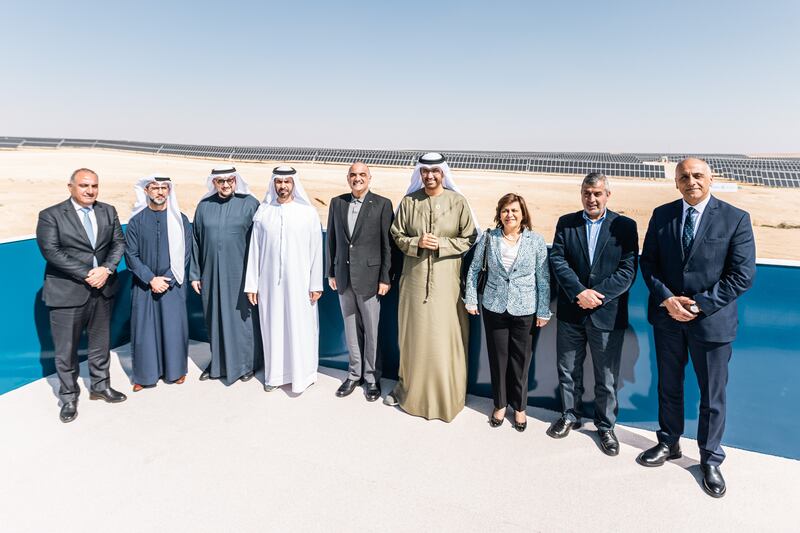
718, 269
611, 272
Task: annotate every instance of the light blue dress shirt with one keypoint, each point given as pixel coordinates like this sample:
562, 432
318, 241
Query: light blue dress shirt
592, 232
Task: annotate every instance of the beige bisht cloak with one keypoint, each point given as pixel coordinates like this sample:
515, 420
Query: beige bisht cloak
433, 325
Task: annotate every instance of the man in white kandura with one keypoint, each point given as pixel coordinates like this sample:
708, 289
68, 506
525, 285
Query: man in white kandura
284, 278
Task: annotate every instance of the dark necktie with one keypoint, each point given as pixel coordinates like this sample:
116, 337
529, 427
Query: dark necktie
688, 230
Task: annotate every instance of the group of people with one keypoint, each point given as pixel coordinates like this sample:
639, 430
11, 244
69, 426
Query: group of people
259, 270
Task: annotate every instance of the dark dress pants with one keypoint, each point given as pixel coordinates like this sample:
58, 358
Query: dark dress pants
66, 325
606, 346
508, 341
674, 345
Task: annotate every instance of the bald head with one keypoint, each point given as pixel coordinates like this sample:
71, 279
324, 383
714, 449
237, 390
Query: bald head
693, 179
693, 163
358, 178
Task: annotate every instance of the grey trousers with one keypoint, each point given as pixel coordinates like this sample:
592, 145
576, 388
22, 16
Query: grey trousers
361, 332
66, 325
606, 347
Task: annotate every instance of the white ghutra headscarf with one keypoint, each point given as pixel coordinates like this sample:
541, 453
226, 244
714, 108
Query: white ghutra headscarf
226, 171
298, 194
271, 199
177, 246
436, 160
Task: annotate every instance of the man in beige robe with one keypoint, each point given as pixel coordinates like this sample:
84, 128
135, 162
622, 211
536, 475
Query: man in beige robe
434, 227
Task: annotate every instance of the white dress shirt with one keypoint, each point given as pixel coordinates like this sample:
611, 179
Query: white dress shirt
699, 208
92, 216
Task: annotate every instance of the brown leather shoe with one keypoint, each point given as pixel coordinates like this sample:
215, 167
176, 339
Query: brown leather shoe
180, 380
137, 387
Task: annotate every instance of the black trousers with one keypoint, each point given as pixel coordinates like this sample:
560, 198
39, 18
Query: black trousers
66, 326
508, 340
674, 345
606, 346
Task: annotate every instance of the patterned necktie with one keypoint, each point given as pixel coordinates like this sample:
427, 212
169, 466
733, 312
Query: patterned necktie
87, 226
688, 231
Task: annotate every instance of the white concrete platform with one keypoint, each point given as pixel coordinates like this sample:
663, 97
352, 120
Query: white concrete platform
205, 457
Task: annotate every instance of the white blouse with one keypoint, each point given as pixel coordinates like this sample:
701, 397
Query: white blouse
508, 253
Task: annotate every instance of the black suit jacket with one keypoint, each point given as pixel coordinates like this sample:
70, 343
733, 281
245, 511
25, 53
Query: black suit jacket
718, 269
364, 258
611, 273
68, 252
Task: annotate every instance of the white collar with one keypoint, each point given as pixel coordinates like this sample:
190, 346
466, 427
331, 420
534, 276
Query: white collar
699, 207
78, 206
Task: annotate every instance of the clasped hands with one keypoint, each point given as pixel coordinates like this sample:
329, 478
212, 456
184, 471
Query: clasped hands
159, 284
97, 277
678, 308
428, 241
590, 299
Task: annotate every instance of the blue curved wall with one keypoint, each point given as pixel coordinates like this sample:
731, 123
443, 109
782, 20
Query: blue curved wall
763, 392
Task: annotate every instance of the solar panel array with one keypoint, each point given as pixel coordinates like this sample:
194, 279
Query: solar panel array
768, 171
771, 172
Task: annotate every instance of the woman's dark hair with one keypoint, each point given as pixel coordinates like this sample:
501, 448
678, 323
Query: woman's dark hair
508, 199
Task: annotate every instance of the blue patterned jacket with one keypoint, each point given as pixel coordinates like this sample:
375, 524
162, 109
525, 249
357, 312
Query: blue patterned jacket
524, 290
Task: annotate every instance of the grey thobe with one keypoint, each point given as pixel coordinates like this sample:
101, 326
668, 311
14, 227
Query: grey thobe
221, 236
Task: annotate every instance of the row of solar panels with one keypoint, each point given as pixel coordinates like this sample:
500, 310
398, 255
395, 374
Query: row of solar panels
540, 162
773, 172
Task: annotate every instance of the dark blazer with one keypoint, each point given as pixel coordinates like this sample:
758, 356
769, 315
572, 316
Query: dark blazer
719, 268
611, 273
68, 252
363, 259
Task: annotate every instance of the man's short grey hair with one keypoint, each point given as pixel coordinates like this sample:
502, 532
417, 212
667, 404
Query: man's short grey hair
80, 170
592, 179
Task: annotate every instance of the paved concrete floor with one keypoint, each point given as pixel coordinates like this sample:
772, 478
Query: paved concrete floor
205, 457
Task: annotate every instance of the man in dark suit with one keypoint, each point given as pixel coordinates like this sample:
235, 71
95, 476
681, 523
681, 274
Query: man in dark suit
360, 256
593, 257
82, 242
698, 258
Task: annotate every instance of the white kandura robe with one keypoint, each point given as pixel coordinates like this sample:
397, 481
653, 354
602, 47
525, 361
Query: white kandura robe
285, 263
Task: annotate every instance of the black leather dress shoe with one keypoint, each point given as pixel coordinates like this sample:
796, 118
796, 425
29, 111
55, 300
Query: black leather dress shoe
69, 411
608, 441
713, 482
246, 377
206, 374
561, 427
108, 395
659, 454
373, 392
347, 387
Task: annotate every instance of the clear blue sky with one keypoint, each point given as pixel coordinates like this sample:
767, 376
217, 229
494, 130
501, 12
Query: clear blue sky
483, 75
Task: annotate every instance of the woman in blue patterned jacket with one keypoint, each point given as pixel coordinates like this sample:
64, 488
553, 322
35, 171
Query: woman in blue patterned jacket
516, 294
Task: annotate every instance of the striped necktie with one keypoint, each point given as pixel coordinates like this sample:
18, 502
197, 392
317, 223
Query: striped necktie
688, 231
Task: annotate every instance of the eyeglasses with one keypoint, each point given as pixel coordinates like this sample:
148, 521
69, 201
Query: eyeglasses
225, 181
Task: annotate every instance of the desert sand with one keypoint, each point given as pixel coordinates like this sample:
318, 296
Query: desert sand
33, 179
